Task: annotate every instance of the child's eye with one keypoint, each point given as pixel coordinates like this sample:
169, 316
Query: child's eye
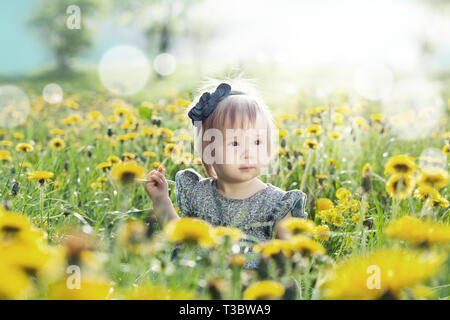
258, 142
234, 143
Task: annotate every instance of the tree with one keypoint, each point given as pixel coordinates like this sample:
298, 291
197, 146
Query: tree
57, 26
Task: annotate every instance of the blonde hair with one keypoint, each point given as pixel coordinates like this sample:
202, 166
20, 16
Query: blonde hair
225, 116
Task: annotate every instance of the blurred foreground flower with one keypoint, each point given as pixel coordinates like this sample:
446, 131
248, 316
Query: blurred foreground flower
264, 290
190, 230
381, 274
417, 231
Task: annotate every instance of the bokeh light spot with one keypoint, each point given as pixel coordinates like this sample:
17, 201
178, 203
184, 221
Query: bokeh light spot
52, 93
14, 106
165, 64
124, 70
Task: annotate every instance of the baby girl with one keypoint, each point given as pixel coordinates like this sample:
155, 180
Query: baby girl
233, 135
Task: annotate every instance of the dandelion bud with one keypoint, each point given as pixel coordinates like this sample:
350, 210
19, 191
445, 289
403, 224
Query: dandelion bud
15, 188
289, 164
366, 183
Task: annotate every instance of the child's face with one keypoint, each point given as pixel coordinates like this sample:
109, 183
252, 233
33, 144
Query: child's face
244, 152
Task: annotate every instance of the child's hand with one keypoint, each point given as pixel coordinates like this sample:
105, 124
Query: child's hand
158, 189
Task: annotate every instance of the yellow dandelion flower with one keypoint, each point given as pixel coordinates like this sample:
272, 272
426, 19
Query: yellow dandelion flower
190, 230
126, 156
400, 186
90, 289
121, 112
283, 133
57, 144
103, 166
343, 194
148, 154
127, 172
6, 143
183, 103
377, 117
306, 245
96, 185
5, 155
25, 147
440, 201
298, 225
417, 231
425, 192
264, 290
282, 151
18, 135
314, 130
172, 149
327, 215
402, 164
24, 164
95, 115
338, 119
298, 131
366, 167
310, 144
58, 132
123, 137
273, 247
383, 272
335, 135
113, 160
338, 220
446, 150
433, 176
235, 234
40, 176
324, 204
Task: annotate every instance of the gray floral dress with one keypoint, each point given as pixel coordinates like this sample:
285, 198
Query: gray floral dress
256, 216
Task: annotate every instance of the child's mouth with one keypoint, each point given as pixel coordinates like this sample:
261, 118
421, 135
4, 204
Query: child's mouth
246, 168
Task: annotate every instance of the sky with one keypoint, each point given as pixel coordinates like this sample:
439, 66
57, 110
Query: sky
304, 33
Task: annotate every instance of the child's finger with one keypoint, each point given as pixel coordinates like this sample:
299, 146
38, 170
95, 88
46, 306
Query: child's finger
161, 175
149, 176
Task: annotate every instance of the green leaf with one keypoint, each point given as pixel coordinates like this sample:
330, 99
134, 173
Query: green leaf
145, 113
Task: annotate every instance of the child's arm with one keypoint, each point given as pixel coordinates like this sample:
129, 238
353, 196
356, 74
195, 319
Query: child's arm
159, 193
281, 232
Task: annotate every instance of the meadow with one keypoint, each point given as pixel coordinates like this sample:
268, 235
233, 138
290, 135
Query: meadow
75, 224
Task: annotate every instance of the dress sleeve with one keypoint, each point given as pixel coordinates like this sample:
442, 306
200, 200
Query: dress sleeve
293, 201
185, 182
